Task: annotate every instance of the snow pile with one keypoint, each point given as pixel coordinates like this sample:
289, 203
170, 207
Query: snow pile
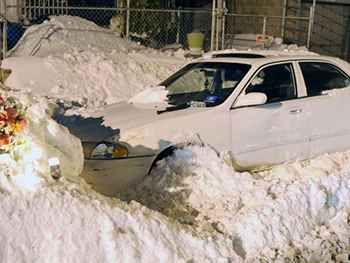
64, 221
192, 208
85, 65
61, 222
62, 33
150, 95
271, 214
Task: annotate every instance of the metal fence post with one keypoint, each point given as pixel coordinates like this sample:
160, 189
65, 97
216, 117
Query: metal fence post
264, 31
284, 18
213, 26
224, 11
127, 19
311, 23
4, 30
178, 27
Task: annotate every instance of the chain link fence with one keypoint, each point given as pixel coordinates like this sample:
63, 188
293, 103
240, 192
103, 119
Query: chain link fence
292, 30
161, 28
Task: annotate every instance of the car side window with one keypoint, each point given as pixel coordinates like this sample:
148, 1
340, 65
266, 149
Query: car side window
277, 82
321, 76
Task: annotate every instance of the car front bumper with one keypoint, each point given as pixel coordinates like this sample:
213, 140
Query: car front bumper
110, 177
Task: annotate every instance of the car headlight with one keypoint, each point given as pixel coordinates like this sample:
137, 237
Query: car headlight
107, 150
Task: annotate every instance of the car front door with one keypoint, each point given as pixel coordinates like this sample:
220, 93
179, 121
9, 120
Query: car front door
328, 97
275, 131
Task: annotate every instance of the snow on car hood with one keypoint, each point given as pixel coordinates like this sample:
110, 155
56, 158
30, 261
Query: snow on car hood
150, 95
127, 115
113, 119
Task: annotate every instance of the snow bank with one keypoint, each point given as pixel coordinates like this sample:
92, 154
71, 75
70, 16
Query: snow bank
192, 208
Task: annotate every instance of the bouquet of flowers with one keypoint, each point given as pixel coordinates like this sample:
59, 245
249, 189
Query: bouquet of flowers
13, 123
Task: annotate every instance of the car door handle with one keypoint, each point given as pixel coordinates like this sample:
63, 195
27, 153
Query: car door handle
295, 110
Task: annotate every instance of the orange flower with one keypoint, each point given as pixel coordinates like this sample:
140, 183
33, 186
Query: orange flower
3, 116
24, 123
4, 138
12, 112
2, 124
10, 121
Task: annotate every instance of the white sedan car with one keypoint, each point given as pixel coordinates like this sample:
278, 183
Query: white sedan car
264, 108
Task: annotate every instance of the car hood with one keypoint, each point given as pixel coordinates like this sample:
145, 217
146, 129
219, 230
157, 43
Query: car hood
116, 118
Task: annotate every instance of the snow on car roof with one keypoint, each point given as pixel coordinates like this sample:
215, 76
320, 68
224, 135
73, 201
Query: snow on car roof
260, 57
256, 54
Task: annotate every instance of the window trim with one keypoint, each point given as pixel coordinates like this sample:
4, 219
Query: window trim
329, 63
289, 63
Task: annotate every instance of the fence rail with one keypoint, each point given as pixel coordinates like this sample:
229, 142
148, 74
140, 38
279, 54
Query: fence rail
159, 28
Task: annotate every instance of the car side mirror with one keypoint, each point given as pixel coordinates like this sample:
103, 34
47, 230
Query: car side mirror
251, 99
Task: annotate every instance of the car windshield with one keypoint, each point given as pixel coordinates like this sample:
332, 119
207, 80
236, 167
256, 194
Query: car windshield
205, 83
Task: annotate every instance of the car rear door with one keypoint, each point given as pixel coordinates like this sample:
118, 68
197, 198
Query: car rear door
328, 97
276, 131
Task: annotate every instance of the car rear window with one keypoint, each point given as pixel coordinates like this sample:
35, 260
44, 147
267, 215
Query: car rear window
322, 76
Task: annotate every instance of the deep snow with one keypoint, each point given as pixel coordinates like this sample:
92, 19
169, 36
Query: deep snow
193, 208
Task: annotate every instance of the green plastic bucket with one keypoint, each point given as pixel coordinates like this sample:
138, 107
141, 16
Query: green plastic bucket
195, 42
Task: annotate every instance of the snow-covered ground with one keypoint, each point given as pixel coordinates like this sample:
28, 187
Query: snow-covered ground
193, 208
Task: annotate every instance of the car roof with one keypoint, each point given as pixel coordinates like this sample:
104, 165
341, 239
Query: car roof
262, 57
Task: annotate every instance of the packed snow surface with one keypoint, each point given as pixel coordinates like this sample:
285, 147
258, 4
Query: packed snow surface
194, 207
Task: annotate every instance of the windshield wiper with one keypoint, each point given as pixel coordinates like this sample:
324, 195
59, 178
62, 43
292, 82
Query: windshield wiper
174, 108
185, 105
